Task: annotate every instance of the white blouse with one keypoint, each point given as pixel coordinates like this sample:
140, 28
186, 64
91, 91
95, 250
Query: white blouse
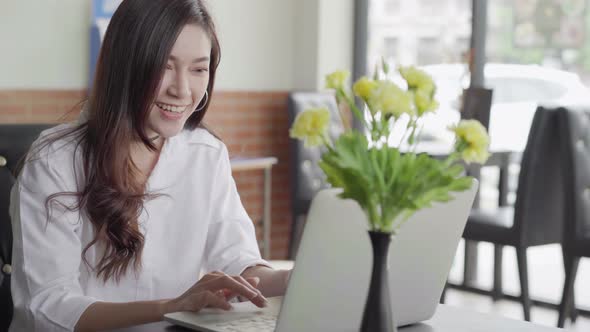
198, 225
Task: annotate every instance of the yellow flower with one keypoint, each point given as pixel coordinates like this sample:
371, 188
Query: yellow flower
363, 87
472, 141
336, 79
388, 98
417, 79
424, 101
311, 126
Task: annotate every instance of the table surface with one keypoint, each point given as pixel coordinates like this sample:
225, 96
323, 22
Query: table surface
446, 319
242, 164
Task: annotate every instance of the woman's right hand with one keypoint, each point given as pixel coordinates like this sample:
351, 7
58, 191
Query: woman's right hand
215, 290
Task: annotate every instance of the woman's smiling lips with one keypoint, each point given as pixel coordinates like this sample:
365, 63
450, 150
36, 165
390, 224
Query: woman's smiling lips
171, 112
172, 108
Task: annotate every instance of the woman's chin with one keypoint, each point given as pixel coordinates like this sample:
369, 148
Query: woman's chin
169, 131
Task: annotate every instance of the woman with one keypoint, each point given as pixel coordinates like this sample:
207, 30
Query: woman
115, 217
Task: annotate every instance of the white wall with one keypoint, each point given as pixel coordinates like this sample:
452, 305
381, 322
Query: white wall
256, 43
44, 44
336, 31
323, 41
305, 44
267, 45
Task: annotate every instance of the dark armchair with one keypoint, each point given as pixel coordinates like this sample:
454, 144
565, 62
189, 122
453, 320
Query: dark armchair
575, 127
15, 141
306, 176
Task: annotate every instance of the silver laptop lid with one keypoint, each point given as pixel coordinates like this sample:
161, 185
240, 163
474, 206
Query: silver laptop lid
328, 286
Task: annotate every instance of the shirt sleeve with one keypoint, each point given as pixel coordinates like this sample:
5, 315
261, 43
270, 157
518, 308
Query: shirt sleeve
46, 252
231, 240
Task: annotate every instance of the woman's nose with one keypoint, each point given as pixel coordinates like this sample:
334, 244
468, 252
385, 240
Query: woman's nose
180, 87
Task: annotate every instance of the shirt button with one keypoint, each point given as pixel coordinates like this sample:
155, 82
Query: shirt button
7, 269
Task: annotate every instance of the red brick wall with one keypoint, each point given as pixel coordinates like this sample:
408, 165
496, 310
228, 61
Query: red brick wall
250, 123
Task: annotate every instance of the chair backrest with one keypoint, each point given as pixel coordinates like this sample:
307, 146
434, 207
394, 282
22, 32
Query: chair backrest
477, 105
538, 210
575, 128
15, 141
6, 182
306, 176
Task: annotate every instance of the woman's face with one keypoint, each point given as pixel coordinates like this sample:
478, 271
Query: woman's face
183, 83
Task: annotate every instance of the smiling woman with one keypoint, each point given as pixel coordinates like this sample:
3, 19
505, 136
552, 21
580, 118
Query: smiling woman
106, 208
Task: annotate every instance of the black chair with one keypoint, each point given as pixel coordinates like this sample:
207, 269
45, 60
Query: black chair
307, 177
575, 127
536, 218
15, 141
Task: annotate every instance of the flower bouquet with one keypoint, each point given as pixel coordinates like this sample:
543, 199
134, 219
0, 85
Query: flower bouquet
390, 182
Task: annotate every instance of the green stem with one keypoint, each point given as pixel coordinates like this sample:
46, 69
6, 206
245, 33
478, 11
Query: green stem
378, 171
345, 124
372, 215
404, 137
328, 142
457, 154
419, 131
357, 113
451, 159
376, 128
412, 136
385, 129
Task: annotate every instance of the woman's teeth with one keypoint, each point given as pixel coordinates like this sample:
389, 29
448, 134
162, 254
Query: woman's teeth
170, 108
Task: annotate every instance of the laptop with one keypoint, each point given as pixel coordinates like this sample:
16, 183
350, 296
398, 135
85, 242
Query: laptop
329, 283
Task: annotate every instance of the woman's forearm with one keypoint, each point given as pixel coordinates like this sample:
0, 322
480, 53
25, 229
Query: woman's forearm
106, 315
272, 282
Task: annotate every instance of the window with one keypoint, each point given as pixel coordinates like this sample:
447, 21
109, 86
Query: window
428, 51
390, 48
433, 7
413, 32
392, 7
548, 33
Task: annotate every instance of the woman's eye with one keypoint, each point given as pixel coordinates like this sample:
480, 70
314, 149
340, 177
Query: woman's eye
199, 70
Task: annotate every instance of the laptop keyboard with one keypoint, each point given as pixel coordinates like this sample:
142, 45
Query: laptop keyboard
258, 323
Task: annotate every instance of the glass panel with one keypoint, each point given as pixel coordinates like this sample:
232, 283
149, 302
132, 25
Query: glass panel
421, 29
428, 51
433, 7
430, 33
390, 47
392, 6
537, 53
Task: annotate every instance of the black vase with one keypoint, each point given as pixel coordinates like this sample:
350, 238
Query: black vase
377, 315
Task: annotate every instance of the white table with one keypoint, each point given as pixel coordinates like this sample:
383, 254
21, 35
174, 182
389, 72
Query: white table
455, 319
446, 319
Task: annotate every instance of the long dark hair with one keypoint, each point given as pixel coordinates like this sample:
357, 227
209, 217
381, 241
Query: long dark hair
132, 59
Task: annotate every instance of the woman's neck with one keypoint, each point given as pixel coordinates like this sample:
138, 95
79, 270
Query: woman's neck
145, 159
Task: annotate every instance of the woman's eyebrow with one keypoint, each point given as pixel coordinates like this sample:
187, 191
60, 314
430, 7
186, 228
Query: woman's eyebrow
201, 59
